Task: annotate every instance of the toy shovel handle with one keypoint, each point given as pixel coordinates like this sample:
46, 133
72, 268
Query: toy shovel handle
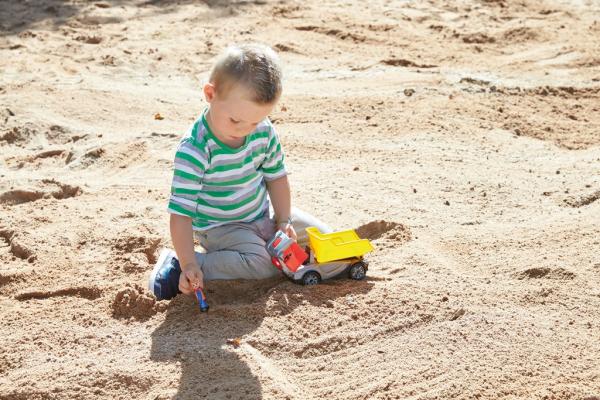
201, 300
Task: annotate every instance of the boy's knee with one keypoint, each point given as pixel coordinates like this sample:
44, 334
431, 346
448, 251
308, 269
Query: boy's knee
260, 265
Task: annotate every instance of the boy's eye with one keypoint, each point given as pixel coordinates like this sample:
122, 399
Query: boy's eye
234, 121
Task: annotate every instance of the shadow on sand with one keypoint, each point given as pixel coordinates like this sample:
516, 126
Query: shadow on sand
19, 16
212, 367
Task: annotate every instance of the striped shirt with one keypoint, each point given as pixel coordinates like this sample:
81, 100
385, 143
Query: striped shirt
215, 184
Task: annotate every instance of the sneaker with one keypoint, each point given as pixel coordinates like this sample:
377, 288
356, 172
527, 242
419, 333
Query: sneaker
164, 280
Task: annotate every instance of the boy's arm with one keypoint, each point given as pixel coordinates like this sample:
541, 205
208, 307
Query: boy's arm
182, 236
189, 166
281, 198
278, 186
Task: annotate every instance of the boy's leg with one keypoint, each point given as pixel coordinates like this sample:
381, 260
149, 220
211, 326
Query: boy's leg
234, 251
238, 251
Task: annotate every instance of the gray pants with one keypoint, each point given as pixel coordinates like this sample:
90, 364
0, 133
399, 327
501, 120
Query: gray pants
238, 250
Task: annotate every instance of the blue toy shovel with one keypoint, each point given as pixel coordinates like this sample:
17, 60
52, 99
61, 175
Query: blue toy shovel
201, 300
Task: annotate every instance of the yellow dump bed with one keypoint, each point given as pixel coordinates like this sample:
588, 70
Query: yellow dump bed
337, 245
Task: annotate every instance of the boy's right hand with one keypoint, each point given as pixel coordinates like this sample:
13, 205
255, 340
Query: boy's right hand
191, 278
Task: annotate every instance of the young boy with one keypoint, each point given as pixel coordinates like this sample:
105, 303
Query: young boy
225, 166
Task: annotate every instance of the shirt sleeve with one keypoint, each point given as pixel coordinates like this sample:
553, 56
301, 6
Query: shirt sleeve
190, 164
273, 166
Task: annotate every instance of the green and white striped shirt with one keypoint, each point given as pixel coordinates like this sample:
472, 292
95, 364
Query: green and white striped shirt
215, 184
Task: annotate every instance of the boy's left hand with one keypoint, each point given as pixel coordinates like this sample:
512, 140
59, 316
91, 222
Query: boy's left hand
289, 230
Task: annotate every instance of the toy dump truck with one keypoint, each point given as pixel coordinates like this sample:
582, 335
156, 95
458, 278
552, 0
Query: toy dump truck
328, 255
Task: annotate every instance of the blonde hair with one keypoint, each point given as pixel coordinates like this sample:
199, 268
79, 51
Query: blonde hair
253, 65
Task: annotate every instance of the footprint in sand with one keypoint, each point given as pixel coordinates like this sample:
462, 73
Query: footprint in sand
18, 135
336, 33
581, 201
56, 134
12, 276
16, 245
40, 160
46, 188
89, 39
476, 38
520, 35
286, 48
113, 156
401, 62
546, 273
30, 134
89, 293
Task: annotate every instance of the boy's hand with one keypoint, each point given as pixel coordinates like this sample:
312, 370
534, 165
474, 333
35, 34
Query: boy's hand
191, 278
289, 230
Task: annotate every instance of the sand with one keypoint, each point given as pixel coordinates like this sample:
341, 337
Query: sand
462, 138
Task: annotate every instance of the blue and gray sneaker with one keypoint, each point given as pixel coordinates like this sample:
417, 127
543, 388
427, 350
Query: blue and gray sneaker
164, 280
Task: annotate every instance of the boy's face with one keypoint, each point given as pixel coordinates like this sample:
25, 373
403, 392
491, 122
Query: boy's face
234, 115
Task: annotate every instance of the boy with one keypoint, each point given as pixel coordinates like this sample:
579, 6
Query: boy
225, 166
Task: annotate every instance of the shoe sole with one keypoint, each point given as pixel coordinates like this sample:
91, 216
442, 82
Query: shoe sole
164, 253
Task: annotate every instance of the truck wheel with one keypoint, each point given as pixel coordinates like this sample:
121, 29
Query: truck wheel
358, 271
311, 278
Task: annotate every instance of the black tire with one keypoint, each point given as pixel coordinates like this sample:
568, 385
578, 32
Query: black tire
311, 278
358, 271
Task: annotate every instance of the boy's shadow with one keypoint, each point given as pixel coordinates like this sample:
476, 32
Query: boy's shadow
205, 345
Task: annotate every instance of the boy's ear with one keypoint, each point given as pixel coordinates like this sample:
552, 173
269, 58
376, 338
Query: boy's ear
209, 92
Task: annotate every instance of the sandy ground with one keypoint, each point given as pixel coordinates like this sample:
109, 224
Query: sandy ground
462, 138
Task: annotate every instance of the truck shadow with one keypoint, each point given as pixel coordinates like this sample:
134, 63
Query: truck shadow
203, 345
